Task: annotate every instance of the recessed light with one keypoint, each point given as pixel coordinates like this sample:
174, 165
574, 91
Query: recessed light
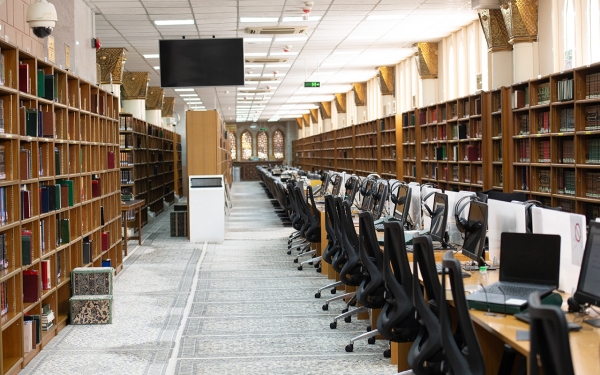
179, 90
385, 17
152, 56
188, 95
173, 22
259, 19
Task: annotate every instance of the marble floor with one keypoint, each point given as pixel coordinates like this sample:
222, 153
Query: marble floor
240, 307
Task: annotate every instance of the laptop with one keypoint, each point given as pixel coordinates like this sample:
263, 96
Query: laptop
528, 263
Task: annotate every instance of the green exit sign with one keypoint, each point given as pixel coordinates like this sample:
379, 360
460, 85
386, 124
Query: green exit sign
312, 84
263, 129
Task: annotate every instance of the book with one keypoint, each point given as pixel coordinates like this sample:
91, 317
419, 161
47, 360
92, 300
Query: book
47, 124
87, 251
111, 160
41, 83
46, 283
64, 196
24, 82
2, 164
1, 115
52, 204
28, 336
69, 185
31, 122
472, 153
25, 164
44, 199
26, 204
102, 215
3, 298
57, 168
64, 231
31, 286
49, 92
96, 188
3, 252
3, 207
106, 263
26, 247
105, 241
518, 99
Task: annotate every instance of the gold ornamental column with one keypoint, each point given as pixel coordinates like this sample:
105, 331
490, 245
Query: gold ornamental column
167, 112
387, 86
426, 59
111, 62
134, 91
521, 20
154, 104
325, 110
341, 119
360, 99
500, 54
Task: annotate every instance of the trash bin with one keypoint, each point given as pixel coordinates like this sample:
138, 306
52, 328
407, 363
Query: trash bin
206, 204
237, 174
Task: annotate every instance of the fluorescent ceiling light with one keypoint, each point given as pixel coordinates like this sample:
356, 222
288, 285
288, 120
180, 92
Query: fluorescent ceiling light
157, 68
259, 19
183, 90
182, 95
193, 99
258, 40
301, 18
255, 54
194, 103
173, 22
385, 17
151, 56
291, 39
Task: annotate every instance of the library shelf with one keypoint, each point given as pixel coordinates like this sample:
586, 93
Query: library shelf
58, 180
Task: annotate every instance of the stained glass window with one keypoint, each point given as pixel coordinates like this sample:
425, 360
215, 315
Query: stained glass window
246, 145
233, 145
262, 143
278, 144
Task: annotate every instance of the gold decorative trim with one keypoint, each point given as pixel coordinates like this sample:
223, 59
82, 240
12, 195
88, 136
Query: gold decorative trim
111, 62
168, 106
314, 115
154, 98
521, 20
325, 109
387, 80
135, 85
360, 94
426, 55
306, 119
494, 30
300, 122
340, 103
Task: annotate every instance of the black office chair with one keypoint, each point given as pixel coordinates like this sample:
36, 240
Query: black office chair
466, 359
310, 231
396, 320
351, 270
371, 291
549, 338
296, 240
332, 220
426, 355
313, 233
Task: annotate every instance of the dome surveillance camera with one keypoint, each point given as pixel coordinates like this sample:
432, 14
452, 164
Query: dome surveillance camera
41, 17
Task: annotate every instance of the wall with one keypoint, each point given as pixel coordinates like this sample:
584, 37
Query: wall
14, 27
289, 129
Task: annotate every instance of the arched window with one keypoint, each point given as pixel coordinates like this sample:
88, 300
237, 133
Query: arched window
569, 34
262, 145
233, 145
247, 150
278, 144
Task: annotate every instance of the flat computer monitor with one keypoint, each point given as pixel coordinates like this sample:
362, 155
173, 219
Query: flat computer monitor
439, 218
351, 188
336, 181
475, 235
403, 200
381, 191
367, 201
326, 183
588, 287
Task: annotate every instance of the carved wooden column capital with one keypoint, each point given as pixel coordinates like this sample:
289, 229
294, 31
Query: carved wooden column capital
387, 80
340, 103
325, 108
521, 20
154, 98
426, 55
135, 85
314, 115
360, 94
111, 61
168, 106
494, 29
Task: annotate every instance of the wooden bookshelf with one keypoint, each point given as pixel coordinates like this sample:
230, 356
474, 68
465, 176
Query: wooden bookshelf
207, 145
178, 165
75, 145
411, 150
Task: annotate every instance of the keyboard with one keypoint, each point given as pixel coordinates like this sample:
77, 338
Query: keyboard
379, 227
514, 290
439, 269
524, 317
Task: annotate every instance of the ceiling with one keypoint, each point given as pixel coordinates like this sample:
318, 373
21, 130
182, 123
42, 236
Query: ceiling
345, 43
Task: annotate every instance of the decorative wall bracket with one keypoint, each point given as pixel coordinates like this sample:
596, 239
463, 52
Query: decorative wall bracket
360, 94
521, 19
135, 85
168, 106
494, 29
426, 57
325, 109
111, 62
314, 115
340, 103
154, 98
387, 80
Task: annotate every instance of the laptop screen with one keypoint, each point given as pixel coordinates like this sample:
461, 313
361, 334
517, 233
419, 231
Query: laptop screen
530, 258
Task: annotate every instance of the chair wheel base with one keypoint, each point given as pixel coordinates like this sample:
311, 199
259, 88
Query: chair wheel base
348, 319
369, 329
325, 307
349, 348
318, 270
371, 340
344, 311
299, 268
318, 295
333, 325
289, 252
333, 291
296, 260
387, 353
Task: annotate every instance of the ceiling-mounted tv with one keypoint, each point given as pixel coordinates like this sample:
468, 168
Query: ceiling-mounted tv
201, 62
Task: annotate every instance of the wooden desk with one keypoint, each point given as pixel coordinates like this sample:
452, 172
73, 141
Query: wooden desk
135, 204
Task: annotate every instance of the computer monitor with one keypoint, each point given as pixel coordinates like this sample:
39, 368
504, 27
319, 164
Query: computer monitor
351, 186
336, 181
439, 218
403, 199
413, 219
381, 192
475, 235
326, 183
367, 201
588, 287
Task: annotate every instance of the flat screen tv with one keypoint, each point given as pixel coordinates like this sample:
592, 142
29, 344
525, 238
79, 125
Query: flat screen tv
201, 62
